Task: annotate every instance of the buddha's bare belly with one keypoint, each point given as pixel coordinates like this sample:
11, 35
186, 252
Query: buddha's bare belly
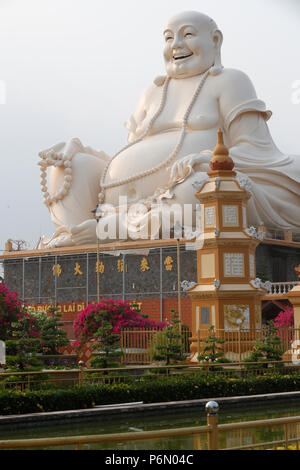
150, 153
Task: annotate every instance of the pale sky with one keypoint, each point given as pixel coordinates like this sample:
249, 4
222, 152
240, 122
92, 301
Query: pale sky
76, 68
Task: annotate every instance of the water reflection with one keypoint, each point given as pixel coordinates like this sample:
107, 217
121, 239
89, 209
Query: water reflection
163, 420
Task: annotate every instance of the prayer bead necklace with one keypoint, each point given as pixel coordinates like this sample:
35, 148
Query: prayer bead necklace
172, 155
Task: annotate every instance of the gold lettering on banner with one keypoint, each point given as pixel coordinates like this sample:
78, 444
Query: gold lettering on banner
121, 266
56, 269
169, 263
67, 307
136, 305
144, 265
77, 270
100, 268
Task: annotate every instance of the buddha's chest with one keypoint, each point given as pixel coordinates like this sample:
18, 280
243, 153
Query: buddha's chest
204, 113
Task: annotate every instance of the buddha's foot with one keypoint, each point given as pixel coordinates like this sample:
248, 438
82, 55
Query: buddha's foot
58, 240
85, 233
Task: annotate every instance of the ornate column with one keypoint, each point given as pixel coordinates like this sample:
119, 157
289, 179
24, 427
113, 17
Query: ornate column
227, 294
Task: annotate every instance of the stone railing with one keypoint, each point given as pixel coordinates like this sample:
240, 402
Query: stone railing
280, 288
280, 235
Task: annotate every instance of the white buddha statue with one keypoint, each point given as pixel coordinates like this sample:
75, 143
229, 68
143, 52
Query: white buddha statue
171, 136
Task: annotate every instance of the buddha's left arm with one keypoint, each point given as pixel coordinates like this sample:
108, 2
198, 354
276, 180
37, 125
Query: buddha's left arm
244, 116
249, 131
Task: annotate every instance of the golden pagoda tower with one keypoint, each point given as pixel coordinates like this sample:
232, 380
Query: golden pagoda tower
227, 294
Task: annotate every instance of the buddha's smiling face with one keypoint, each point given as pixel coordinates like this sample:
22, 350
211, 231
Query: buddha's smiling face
189, 45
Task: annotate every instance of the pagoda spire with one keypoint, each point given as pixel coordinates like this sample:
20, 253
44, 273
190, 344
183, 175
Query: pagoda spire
221, 160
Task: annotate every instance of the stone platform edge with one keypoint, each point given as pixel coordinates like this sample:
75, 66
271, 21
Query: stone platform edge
118, 246
45, 418
113, 246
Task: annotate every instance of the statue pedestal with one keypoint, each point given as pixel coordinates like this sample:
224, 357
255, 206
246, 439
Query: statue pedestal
142, 272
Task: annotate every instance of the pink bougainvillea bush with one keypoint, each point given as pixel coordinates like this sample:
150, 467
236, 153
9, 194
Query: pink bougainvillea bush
285, 324
285, 318
11, 310
14, 312
19, 329
118, 312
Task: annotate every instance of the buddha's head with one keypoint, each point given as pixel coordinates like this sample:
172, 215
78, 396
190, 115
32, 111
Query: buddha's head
192, 45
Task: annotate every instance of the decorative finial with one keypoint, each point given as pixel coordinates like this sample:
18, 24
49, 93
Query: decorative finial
221, 159
9, 245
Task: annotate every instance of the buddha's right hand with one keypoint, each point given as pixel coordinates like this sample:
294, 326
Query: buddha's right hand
62, 151
61, 154
182, 168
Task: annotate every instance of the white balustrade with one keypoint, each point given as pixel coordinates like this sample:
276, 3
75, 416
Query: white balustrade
280, 288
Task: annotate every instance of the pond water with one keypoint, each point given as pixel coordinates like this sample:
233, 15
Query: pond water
171, 419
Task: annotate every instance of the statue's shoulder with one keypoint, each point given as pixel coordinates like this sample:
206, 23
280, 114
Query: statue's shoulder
233, 76
234, 82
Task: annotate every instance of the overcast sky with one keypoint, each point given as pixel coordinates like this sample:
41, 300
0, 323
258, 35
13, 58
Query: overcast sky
76, 68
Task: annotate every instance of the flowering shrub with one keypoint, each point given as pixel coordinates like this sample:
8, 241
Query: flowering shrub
119, 313
285, 323
285, 318
18, 328
26, 333
11, 310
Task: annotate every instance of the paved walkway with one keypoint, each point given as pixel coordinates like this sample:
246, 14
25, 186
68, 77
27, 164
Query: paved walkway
107, 411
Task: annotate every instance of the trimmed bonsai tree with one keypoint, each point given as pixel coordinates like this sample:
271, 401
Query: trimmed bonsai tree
268, 348
107, 343
24, 343
53, 337
169, 344
213, 350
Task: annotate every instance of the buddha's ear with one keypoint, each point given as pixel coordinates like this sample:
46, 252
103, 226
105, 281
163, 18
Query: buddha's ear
216, 69
218, 39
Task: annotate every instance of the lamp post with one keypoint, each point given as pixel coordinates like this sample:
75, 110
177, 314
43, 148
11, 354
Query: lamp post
179, 282
178, 227
188, 235
97, 214
98, 271
239, 323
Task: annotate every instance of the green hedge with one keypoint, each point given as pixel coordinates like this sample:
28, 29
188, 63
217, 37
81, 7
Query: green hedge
160, 389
